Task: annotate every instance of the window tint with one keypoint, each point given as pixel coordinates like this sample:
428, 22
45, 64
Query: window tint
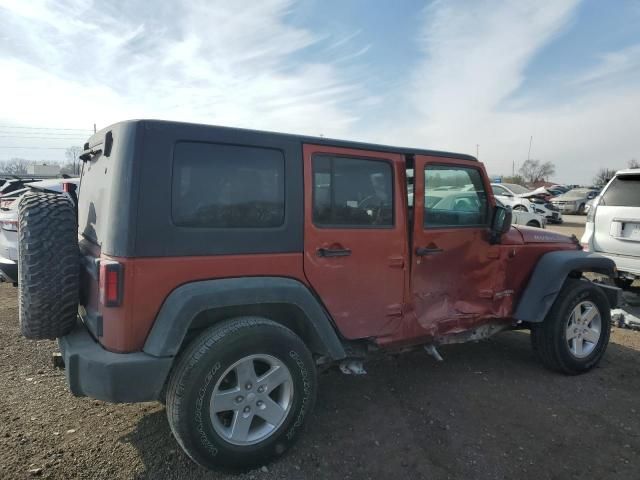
624, 191
454, 197
352, 192
227, 186
499, 190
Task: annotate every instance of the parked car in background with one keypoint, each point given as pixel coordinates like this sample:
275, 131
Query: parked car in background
509, 195
9, 224
530, 219
574, 201
613, 225
520, 198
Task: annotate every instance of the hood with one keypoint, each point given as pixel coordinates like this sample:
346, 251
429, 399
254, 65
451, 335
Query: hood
537, 235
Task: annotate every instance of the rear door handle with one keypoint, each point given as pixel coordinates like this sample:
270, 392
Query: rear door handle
424, 251
334, 252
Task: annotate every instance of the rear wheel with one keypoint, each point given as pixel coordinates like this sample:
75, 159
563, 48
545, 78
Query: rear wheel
240, 393
581, 209
574, 336
533, 223
520, 208
48, 265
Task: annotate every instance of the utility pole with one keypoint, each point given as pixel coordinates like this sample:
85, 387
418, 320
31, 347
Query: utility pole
530, 142
94, 128
478, 151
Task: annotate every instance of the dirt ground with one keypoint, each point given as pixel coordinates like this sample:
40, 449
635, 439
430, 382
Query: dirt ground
488, 411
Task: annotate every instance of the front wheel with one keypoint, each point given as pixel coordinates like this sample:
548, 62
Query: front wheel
575, 333
533, 223
240, 393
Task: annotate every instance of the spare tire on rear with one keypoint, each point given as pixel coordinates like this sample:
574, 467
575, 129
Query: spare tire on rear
48, 265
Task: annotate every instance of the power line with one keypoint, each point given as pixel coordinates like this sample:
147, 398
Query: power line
47, 128
66, 139
36, 148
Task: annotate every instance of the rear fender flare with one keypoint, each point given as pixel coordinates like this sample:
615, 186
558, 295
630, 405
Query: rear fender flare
185, 304
549, 276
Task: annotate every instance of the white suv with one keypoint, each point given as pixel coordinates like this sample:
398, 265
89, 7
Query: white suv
613, 225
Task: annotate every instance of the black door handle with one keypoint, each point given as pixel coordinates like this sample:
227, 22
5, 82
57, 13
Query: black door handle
424, 251
334, 252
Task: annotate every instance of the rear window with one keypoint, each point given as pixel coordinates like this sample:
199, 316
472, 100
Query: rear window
227, 186
624, 191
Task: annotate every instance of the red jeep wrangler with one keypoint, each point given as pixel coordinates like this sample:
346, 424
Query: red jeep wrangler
218, 269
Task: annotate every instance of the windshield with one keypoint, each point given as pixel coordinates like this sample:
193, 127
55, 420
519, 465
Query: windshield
515, 188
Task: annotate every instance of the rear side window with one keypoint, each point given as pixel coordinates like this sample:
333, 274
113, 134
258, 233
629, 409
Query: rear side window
227, 186
352, 192
624, 191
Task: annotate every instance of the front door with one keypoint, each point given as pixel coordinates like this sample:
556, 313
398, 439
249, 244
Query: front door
453, 263
356, 236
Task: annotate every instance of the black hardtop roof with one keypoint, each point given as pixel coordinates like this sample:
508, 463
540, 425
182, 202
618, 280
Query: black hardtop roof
98, 136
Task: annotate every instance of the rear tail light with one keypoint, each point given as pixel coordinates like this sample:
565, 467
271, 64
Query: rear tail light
591, 214
9, 225
111, 283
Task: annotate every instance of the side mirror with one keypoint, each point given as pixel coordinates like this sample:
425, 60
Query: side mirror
501, 222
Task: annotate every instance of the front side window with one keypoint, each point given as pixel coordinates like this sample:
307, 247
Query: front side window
227, 186
352, 192
454, 197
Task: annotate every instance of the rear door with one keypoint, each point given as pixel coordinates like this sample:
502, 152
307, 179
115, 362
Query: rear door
617, 217
356, 236
454, 266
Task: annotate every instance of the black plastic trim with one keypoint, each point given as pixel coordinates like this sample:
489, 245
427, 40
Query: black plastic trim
549, 276
113, 377
183, 305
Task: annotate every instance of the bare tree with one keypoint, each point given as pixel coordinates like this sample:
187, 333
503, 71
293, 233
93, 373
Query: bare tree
72, 154
533, 171
633, 163
603, 176
15, 166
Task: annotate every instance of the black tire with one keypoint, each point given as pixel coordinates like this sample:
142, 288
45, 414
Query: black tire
581, 209
48, 265
521, 208
204, 363
549, 338
533, 223
623, 283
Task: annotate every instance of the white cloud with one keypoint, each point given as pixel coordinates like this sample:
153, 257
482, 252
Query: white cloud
475, 56
200, 61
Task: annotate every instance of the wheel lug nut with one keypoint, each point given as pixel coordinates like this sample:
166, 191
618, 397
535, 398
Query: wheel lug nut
239, 399
260, 403
248, 386
261, 389
246, 410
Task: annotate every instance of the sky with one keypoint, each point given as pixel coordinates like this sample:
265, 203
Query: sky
476, 76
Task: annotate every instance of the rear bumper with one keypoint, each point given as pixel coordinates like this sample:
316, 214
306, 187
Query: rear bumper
8, 270
113, 377
625, 264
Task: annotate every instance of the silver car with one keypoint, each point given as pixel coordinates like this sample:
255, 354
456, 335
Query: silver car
574, 201
613, 225
9, 224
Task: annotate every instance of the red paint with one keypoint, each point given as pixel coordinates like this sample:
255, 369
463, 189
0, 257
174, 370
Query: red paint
363, 292
148, 282
381, 291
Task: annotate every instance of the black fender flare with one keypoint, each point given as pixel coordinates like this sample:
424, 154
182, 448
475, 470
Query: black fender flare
186, 302
549, 276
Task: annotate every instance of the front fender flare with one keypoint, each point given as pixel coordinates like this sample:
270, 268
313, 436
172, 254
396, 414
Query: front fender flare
185, 302
549, 276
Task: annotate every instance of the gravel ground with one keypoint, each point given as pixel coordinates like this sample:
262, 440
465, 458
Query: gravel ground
488, 411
